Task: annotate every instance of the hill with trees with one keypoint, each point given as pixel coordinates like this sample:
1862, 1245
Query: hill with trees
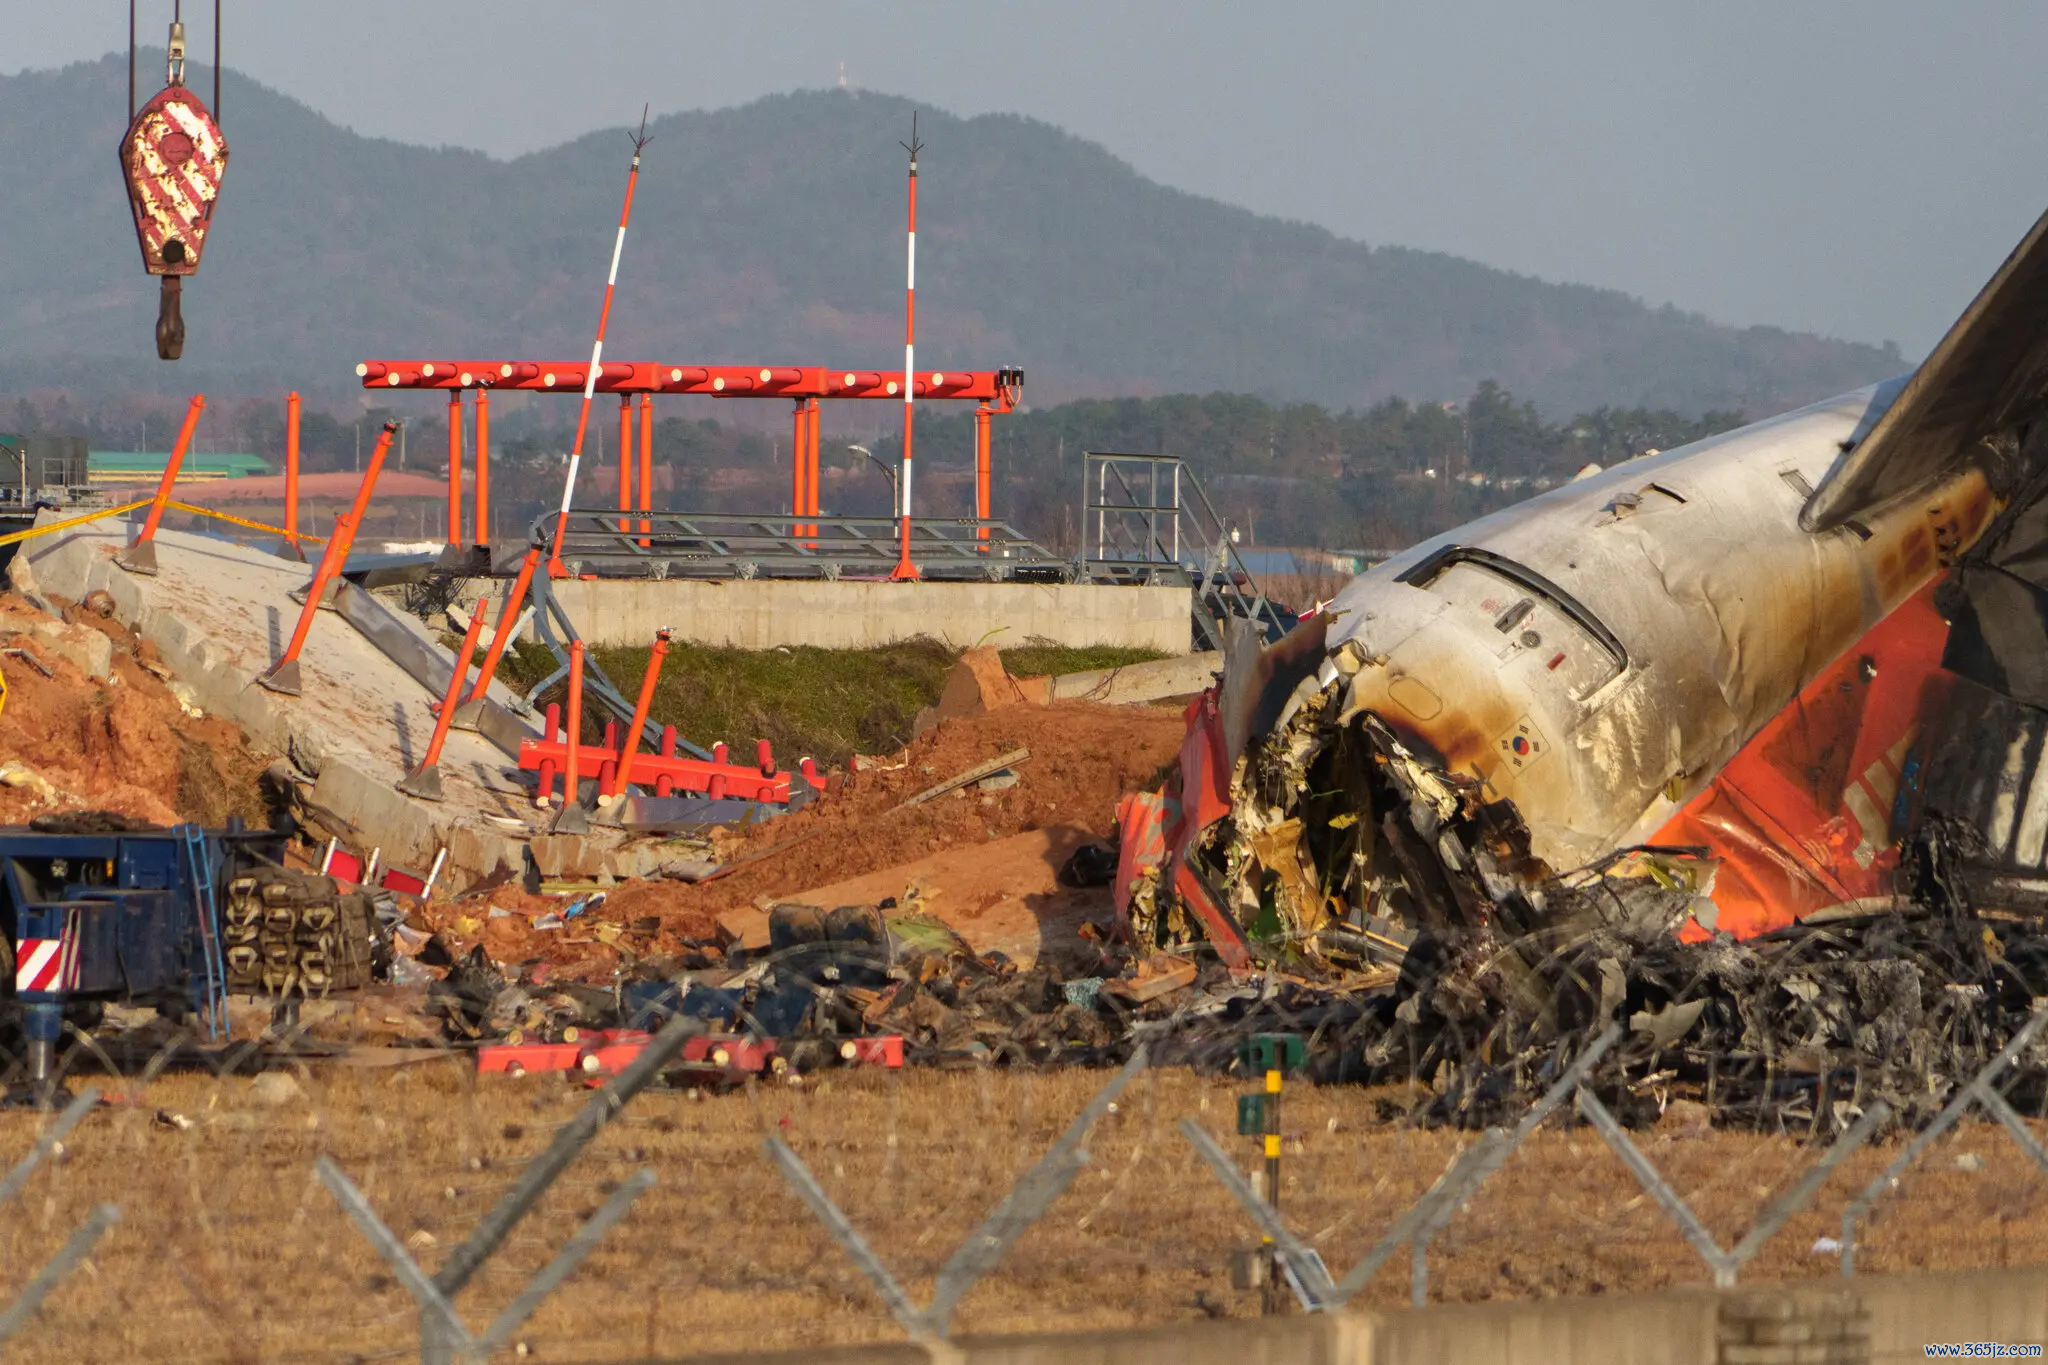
774, 232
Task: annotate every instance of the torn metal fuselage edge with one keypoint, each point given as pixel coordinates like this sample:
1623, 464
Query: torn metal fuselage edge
1493, 740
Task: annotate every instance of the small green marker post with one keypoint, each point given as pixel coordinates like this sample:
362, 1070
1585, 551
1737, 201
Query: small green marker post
1259, 1116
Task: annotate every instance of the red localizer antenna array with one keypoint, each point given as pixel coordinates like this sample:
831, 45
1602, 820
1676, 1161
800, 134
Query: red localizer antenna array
905, 570
556, 569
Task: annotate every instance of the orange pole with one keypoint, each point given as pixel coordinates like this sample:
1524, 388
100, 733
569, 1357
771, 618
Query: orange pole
572, 786
631, 747
646, 464
796, 467
483, 467
455, 470
452, 698
981, 471
163, 486
291, 469
503, 635
283, 675
625, 458
811, 463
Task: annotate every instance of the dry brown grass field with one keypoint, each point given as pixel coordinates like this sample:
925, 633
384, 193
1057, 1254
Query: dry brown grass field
228, 1249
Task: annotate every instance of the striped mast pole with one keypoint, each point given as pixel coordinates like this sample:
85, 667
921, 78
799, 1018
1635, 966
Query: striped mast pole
905, 571
509, 617
556, 569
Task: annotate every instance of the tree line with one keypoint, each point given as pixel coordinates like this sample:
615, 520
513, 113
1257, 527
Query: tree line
1287, 473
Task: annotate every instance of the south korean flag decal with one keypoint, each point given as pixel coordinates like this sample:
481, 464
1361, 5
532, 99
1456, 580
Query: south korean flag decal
1522, 745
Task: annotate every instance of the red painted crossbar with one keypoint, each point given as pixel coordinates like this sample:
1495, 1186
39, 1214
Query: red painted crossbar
609, 1051
1001, 387
666, 772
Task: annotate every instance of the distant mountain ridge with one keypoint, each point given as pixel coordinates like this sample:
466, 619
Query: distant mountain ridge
774, 232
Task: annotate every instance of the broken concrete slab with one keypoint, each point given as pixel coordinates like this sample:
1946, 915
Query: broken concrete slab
218, 613
89, 650
1180, 676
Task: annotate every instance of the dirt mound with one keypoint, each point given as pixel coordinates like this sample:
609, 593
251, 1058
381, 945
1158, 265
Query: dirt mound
578, 942
1083, 758
120, 741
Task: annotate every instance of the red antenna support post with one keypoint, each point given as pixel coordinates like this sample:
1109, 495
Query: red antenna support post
625, 459
141, 556
981, 471
290, 549
283, 676
424, 781
811, 467
455, 474
646, 464
622, 774
483, 471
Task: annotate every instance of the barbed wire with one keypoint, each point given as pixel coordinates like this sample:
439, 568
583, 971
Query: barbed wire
303, 1208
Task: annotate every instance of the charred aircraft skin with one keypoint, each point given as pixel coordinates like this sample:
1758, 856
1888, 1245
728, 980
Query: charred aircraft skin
1485, 740
1595, 656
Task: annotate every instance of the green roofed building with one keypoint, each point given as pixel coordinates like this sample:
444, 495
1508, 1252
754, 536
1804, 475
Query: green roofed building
147, 466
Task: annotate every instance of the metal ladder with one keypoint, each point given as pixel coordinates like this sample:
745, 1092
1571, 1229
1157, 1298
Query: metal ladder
192, 840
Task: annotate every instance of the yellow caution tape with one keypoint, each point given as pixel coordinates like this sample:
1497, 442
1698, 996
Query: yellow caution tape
70, 522
240, 521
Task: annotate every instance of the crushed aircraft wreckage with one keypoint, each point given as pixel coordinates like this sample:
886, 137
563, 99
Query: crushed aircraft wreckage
1743, 742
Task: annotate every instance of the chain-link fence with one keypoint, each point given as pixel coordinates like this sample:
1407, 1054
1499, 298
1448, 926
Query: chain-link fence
388, 1203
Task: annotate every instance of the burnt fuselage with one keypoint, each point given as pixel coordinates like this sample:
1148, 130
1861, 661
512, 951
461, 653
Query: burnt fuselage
1598, 653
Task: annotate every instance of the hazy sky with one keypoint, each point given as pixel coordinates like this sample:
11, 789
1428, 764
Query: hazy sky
1856, 169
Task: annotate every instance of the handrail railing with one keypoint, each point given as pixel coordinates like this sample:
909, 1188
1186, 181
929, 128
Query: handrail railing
1134, 534
751, 545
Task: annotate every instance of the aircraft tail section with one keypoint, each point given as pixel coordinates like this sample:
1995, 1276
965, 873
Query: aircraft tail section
1977, 393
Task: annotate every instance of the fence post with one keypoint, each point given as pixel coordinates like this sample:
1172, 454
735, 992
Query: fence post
1977, 1090
141, 556
1725, 1264
81, 1241
442, 1333
1027, 1201
1424, 1218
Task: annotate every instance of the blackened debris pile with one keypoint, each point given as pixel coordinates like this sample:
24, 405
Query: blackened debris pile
1797, 1030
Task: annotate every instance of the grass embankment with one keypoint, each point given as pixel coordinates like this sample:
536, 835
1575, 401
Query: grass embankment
825, 703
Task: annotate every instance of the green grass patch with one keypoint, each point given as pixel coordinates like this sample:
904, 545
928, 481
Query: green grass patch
1031, 661
825, 703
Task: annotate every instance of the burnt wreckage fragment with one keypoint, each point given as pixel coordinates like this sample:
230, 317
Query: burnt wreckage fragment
1743, 744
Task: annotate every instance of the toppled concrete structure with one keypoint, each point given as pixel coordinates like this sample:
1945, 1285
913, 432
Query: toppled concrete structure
217, 611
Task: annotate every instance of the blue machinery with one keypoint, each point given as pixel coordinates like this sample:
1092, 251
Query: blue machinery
130, 916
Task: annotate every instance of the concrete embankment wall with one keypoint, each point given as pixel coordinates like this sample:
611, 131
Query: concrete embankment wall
1870, 1320
765, 613
219, 614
